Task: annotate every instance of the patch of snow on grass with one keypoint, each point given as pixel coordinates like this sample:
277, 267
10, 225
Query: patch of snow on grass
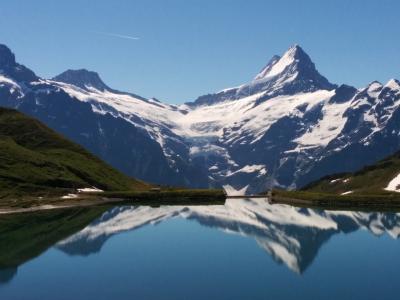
394, 184
89, 190
70, 196
346, 193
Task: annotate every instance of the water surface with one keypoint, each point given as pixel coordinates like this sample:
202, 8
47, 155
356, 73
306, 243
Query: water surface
245, 249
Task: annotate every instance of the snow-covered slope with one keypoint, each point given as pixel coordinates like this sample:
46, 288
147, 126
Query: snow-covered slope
288, 126
291, 235
152, 116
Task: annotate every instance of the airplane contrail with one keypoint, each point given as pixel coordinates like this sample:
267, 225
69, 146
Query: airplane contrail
121, 36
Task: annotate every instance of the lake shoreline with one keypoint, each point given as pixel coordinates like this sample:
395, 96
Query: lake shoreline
172, 197
199, 197
374, 203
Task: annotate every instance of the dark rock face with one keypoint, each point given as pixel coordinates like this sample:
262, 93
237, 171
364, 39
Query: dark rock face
343, 94
10, 68
7, 58
82, 78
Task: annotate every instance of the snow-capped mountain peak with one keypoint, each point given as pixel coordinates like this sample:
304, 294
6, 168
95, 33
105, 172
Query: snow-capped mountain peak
82, 78
264, 71
290, 74
374, 86
393, 84
278, 64
296, 65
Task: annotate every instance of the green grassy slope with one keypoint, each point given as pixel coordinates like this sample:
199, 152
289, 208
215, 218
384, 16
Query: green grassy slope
363, 189
370, 180
35, 160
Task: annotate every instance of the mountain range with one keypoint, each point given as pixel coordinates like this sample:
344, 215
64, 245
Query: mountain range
286, 127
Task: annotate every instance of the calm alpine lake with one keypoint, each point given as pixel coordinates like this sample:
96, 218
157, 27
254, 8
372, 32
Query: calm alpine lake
244, 249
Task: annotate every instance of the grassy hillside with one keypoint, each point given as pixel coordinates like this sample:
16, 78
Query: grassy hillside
365, 189
369, 180
35, 160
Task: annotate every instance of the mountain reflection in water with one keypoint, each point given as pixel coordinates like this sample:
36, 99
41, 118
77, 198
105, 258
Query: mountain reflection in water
291, 235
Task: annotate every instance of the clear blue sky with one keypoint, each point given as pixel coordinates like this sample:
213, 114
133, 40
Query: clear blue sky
186, 48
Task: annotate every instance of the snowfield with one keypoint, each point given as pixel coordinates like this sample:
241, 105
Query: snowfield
211, 121
394, 184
